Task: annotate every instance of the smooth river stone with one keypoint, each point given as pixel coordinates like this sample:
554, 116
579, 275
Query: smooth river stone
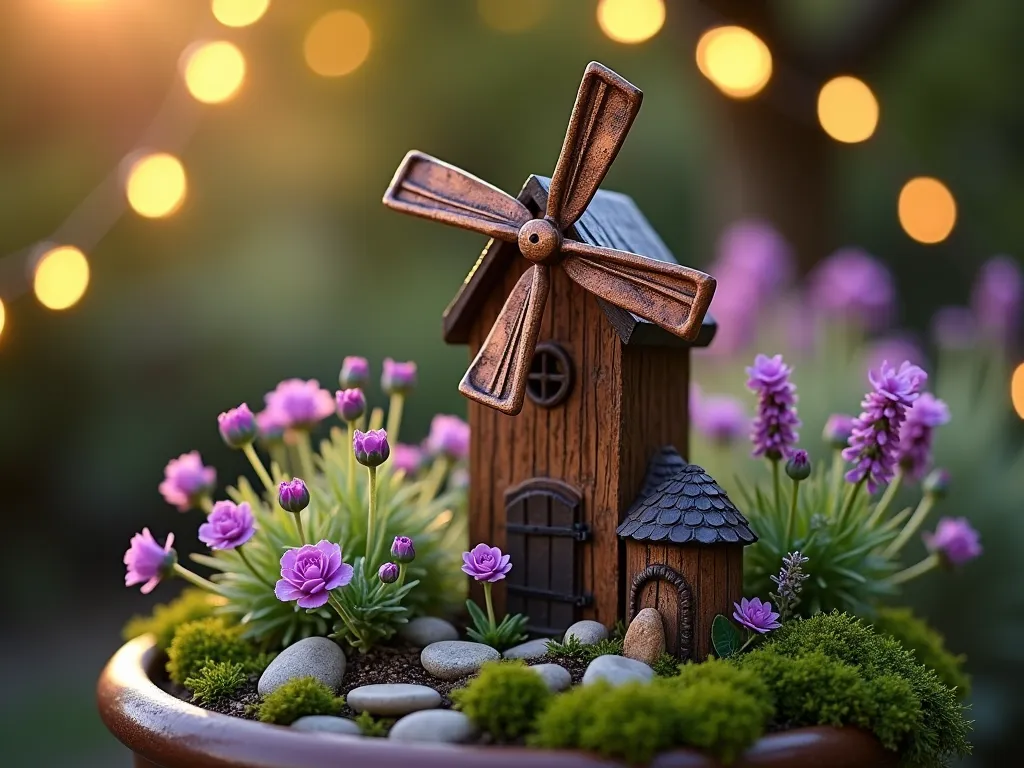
392, 699
438, 725
645, 638
586, 632
452, 659
534, 649
327, 724
556, 676
425, 630
313, 657
617, 670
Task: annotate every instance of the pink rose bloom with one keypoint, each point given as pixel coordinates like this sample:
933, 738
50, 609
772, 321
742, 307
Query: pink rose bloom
299, 404
486, 563
147, 562
229, 525
449, 437
186, 481
308, 574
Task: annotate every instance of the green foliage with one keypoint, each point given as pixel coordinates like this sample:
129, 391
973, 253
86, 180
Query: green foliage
216, 681
666, 665
374, 614
726, 673
298, 698
202, 641
574, 650
510, 631
165, 619
374, 727
725, 637
927, 644
504, 699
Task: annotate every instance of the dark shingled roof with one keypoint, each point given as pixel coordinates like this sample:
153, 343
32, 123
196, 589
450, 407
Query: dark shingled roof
687, 507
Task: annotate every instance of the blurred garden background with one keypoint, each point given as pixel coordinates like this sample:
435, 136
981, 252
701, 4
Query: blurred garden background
190, 212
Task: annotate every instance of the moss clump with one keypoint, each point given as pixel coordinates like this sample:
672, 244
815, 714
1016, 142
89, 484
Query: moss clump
374, 727
927, 644
574, 650
190, 605
216, 681
666, 665
504, 699
719, 671
298, 698
720, 719
202, 641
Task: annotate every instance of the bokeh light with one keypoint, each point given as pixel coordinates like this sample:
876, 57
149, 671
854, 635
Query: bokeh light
214, 71
847, 109
1016, 389
512, 17
927, 210
3, 317
239, 13
736, 60
156, 185
61, 277
631, 21
337, 43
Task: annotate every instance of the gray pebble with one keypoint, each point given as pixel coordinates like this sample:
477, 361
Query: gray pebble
425, 630
327, 724
392, 698
617, 670
452, 659
439, 725
556, 676
587, 632
313, 657
534, 649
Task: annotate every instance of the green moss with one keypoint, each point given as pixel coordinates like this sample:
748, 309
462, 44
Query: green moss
199, 642
374, 727
216, 681
720, 718
719, 671
927, 644
504, 699
574, 650
298, 698
666, 665
190, 605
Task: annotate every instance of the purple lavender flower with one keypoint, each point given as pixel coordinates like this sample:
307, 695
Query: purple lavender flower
996, 297
774, 431
186, 481
915, 451
486, 563
838, 429
721, 419
894, 347
407, 458
937, 483
147, 562
449, 437
309, 573
351, 404
229, 525
755, 615
954, 327
853, 285
874, 445
293, 495
355, 373
300, 404
402, 549
271, 426
388, 573
790, 582
237, 426
398, 378
954, 540
371, 447
799, 466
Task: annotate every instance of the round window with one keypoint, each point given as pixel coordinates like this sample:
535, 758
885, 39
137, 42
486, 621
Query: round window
550, 379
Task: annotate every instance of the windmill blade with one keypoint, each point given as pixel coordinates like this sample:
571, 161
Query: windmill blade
427, 187
605, 107
497, 377
671, 296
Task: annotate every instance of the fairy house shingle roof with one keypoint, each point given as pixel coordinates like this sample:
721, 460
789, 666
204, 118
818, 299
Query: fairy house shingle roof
686, 506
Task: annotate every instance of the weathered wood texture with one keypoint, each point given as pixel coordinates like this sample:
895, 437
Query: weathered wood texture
715, 576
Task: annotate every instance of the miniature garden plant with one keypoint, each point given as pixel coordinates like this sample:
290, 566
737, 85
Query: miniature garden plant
488, 565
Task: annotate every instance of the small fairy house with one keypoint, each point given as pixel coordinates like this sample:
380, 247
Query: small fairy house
684, 552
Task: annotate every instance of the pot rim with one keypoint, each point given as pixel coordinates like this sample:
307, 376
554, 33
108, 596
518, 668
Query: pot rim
169, 731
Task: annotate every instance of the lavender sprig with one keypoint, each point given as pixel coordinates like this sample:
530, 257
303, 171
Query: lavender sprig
790, 582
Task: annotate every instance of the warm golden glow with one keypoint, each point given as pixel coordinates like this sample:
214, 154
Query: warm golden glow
337, 43
631, 21
3, 317
927, 210
736, 60
214, 71
239, 13
61, 277
518, 16
847, 109
156, 185
1017, 390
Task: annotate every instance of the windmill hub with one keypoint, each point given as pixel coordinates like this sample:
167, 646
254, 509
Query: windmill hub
540, 240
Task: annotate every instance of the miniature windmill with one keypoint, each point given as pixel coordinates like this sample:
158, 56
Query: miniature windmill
671, 296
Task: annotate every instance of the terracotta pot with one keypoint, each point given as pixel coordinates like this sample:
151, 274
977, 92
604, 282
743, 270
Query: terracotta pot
165, 732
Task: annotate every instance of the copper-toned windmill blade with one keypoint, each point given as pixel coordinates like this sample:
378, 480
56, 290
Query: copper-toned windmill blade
425, 186
497, 377
669, 295
605, 107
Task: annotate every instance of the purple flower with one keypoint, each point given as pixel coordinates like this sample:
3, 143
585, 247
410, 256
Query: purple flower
774, 432
371, 447
937, 483
449, 437
838, 429
996, 297
403, 550
799, 466
398, 378
954, 327
755, 248
293, 496
351, 404
309, 573
147, 562
355, 372
915, 451
229, 526
407, 458
237, 426
955, 541
388, 573
721, 419
186, 481
300, 404
271, 426
755, 615
486, 563
895, 347
735, 306
853, 285
874, 445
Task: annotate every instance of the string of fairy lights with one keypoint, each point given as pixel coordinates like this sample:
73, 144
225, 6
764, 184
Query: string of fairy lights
733, 58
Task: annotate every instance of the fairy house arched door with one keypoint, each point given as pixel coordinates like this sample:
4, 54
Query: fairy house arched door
662, 587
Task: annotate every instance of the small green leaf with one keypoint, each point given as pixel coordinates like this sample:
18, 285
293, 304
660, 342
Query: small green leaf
724, 637
479, 619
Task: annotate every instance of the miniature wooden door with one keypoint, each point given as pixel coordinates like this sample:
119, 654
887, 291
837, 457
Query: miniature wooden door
545, 534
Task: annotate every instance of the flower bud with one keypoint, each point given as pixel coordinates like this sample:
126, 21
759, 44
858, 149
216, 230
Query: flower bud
402, 549
398, 378
293, 496
355, 372
838, 430
237, 426
799, 466
371, 447
954, 540
388, 573
937, 483
351, 404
